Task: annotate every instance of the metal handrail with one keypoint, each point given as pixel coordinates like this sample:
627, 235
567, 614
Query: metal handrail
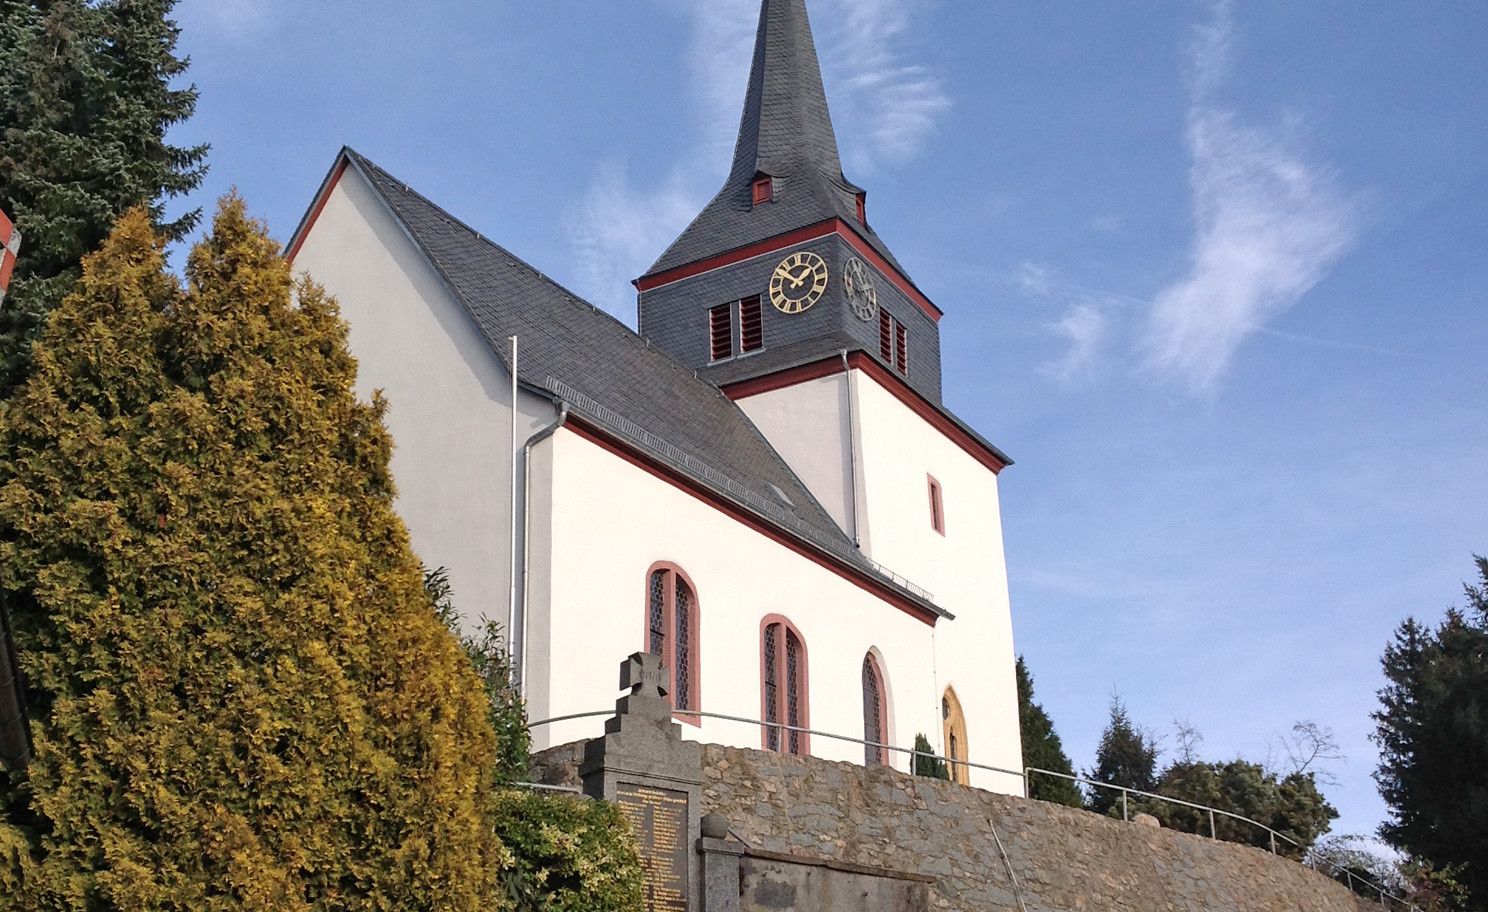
1385, 896
794, 728
1213, 831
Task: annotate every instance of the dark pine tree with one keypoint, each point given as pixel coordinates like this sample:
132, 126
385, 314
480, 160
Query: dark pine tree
1432, 730
1125, 757
86, 101
1042, 748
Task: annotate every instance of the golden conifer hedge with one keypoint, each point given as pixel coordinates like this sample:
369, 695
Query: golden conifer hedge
243, 699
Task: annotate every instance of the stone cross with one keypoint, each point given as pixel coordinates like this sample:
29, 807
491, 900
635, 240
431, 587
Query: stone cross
644, 675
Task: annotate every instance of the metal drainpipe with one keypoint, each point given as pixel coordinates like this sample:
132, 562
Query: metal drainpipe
511, 609
852, 452
534, 440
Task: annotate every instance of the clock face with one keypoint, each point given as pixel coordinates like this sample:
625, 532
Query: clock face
862, 297
798, 282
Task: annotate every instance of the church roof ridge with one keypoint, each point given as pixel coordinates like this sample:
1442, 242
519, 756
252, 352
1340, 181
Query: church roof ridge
575, 351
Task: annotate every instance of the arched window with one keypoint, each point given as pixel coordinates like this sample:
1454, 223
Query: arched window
783, 691
956, 750
875, 713
672, 633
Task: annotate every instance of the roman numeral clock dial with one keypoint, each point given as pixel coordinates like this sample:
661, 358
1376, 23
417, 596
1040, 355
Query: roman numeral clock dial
798, 282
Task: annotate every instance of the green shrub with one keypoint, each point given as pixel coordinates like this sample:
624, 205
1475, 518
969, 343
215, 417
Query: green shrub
242, 698
571, 854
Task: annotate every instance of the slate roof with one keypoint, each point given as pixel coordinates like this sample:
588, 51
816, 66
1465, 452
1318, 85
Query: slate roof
786, 132
613, 378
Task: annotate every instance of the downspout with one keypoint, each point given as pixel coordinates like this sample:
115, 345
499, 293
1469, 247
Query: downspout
534, 440
511, 610
852, 452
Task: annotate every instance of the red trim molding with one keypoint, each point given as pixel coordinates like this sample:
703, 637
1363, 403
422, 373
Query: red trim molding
889, 381
601, 438
320, 200
790, 239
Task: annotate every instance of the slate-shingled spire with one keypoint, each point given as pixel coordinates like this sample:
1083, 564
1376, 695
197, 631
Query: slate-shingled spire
786, 133
786, 129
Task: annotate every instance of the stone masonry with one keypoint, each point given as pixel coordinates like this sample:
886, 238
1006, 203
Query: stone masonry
1065, 860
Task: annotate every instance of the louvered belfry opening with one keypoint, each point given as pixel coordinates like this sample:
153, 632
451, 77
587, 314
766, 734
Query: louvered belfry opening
751, 325
874, 727
721, 332
886, 336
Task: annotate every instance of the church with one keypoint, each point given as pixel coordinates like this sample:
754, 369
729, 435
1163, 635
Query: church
760, 484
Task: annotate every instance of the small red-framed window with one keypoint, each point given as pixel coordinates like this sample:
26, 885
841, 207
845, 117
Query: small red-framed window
672, 633
785, 704
875, 714
863, 207
901, 348
937, 506
751, 325
764, 189
721, 332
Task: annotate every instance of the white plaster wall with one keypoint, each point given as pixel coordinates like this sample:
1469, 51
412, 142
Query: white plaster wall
965, 569
807, 424
610, 521
449, 398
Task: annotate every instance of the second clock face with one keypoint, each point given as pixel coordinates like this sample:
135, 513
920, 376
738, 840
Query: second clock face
798, 282
858, 284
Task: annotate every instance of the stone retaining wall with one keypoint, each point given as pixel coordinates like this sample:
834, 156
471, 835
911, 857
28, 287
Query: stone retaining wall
1065, 860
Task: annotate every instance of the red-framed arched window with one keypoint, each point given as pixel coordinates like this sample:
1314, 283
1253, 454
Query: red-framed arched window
784, 695
875, 713
672, 633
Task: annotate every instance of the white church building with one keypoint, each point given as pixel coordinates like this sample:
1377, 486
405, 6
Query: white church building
762, 484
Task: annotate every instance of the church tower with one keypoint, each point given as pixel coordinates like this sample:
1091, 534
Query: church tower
783, 268
783, 295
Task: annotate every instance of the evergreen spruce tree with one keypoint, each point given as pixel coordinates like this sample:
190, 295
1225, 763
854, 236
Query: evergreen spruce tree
243, 697
926, 763
86, 101
1042, 748
1125, 757
1432, 730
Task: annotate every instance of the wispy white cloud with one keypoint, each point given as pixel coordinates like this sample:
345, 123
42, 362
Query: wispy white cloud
1084, 329
619, 230
892, 103
233, 21
884, 109
1269, 226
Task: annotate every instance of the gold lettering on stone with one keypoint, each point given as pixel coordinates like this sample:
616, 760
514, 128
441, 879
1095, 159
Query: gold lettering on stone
659, 818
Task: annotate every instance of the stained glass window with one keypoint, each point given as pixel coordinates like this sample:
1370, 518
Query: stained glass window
682, 669
772, 696
784, 686
672, 634
873, 713
657, 623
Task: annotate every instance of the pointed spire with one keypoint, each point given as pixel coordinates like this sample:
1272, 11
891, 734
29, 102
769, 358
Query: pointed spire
786, 127
786, 133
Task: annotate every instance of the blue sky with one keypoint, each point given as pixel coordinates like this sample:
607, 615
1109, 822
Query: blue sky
1213, 275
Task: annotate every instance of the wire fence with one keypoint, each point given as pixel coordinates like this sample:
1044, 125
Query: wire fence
1358, 884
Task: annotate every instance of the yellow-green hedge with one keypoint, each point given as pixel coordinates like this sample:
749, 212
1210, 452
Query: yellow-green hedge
242, 697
